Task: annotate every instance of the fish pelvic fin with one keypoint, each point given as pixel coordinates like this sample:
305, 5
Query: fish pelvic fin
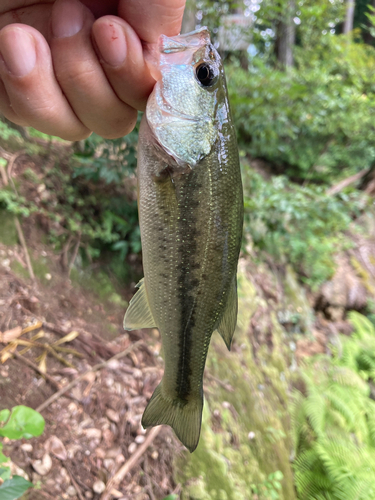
138, 314
228, 322
185, 417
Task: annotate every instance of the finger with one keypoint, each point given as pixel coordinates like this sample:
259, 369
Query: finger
121, 56
80, 74
34, 97
6, 107
151, 19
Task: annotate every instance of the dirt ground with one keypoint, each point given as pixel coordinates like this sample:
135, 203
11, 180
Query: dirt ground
93, 429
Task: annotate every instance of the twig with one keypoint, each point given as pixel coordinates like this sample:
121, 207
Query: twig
3, 175
50, 379
11, 163
75, 253
346, 182
83, 375
149, 483
23, 243
77, 488
124, 469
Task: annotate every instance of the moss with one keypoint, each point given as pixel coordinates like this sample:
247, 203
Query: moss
8, 232
19, 270
40, 268
245, 431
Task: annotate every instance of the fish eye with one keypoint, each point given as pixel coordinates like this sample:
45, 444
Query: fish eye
206, 74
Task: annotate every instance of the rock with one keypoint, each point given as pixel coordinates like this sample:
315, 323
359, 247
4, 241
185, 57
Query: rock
113, 452
71, 491
139, 439
98, 487
93, 433
120, 459
131, 448
113, 415
55, 446
114, 364
65, 476
88, 494
72, 450
42, 467
108, 463
154, 455
27, 447
15, 470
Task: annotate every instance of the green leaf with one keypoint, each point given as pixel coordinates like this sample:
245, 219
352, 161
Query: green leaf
170, 497
4, 473
14, 488
3, 458
4, 415
24, 422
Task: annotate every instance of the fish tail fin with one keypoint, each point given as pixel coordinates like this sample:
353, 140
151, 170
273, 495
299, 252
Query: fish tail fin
185, 417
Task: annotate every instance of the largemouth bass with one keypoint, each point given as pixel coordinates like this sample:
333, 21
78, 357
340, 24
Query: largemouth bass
191, 212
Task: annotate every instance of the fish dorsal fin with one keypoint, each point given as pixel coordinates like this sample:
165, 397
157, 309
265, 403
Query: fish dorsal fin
229, 320
138, 314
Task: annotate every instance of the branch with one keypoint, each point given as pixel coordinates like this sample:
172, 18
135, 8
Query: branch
346, 182
83, 375
121, 473
29, 363
23, 244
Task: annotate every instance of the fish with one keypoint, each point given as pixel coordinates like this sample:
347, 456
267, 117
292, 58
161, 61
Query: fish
190, 204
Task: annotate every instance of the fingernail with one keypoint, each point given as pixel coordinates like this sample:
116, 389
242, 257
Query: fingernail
18, 51
111, 43
66, 19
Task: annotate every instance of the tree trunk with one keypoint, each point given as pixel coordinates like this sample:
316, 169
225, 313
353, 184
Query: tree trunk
286, 34
348, 25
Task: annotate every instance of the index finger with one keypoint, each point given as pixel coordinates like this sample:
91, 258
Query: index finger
152, 19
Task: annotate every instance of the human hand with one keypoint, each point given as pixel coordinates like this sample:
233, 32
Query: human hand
67, 74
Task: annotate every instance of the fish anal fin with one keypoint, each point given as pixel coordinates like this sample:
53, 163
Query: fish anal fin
185, 417
138, 314
229, 320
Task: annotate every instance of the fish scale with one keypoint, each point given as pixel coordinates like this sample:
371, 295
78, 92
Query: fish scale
190, 217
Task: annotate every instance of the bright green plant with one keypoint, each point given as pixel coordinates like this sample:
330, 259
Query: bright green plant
20, 423
314, 122
301, 225
270, 488
334, 421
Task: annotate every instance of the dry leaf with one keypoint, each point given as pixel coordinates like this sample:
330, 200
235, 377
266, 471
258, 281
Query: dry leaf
10, 335
6, 353
55, 446
43, 362
30, 328
42, 467
68, 338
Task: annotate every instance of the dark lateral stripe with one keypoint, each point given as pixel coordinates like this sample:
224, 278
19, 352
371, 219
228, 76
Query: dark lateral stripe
188, 232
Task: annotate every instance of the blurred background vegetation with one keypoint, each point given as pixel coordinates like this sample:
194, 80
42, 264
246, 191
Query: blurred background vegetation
291, 414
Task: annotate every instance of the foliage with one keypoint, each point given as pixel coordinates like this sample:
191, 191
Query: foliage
301, 225
109, 160
83, 196
334, 421
270, 488
20, 423
315, 122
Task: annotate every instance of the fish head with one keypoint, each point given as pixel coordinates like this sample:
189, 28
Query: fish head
188, 104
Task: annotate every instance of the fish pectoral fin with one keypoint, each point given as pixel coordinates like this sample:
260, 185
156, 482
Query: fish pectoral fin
138, 314
185, 417
229, 320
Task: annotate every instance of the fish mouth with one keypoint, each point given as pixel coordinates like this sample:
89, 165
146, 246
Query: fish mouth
180, 46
